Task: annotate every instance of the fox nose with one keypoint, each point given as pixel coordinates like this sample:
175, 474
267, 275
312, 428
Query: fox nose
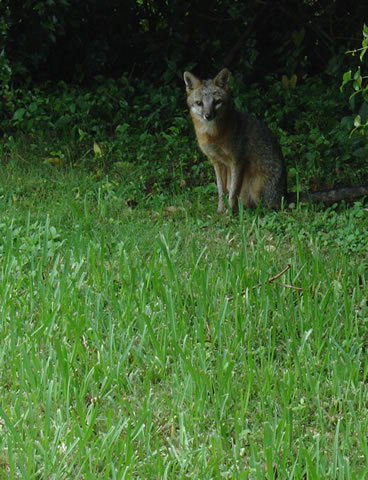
208, 116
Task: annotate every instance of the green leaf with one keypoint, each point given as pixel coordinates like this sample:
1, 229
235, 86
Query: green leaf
357, 84
357, 121
346, 77
357, 74
19, 114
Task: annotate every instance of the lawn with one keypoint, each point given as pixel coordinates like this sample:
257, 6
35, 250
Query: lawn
158, 339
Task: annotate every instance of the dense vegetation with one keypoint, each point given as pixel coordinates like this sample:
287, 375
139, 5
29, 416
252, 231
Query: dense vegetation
142, 335
72, 40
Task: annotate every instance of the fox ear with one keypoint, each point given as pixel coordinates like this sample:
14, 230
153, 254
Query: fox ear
222, 79
191, 81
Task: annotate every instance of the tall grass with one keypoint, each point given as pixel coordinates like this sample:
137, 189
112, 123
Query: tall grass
154, 343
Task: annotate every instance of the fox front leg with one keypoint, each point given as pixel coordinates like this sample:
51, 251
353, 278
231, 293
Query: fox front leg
222, 180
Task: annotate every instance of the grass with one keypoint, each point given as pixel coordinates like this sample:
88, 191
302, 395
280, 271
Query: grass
147, 341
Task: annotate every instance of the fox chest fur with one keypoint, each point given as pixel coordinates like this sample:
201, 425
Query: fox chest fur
214, 142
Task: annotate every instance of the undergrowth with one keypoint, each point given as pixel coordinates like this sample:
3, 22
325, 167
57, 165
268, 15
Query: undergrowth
145, 134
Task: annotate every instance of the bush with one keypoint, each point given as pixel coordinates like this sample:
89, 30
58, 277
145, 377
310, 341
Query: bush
359, 99
74, 41
134, 129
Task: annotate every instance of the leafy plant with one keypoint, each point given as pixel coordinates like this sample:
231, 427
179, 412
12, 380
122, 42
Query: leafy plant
359, 85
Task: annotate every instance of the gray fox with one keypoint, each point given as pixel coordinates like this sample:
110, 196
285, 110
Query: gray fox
246, 156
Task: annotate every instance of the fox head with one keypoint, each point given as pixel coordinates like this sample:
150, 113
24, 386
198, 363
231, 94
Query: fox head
207, 99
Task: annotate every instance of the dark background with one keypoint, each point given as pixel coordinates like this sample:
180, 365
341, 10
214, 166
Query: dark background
53, 40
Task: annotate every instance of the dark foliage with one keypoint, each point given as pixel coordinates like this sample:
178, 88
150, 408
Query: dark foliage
71, 40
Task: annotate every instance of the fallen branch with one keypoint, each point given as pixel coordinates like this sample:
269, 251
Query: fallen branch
270, 280
328, 197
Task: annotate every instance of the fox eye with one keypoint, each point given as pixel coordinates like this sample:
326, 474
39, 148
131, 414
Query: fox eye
218, 102
199, 103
